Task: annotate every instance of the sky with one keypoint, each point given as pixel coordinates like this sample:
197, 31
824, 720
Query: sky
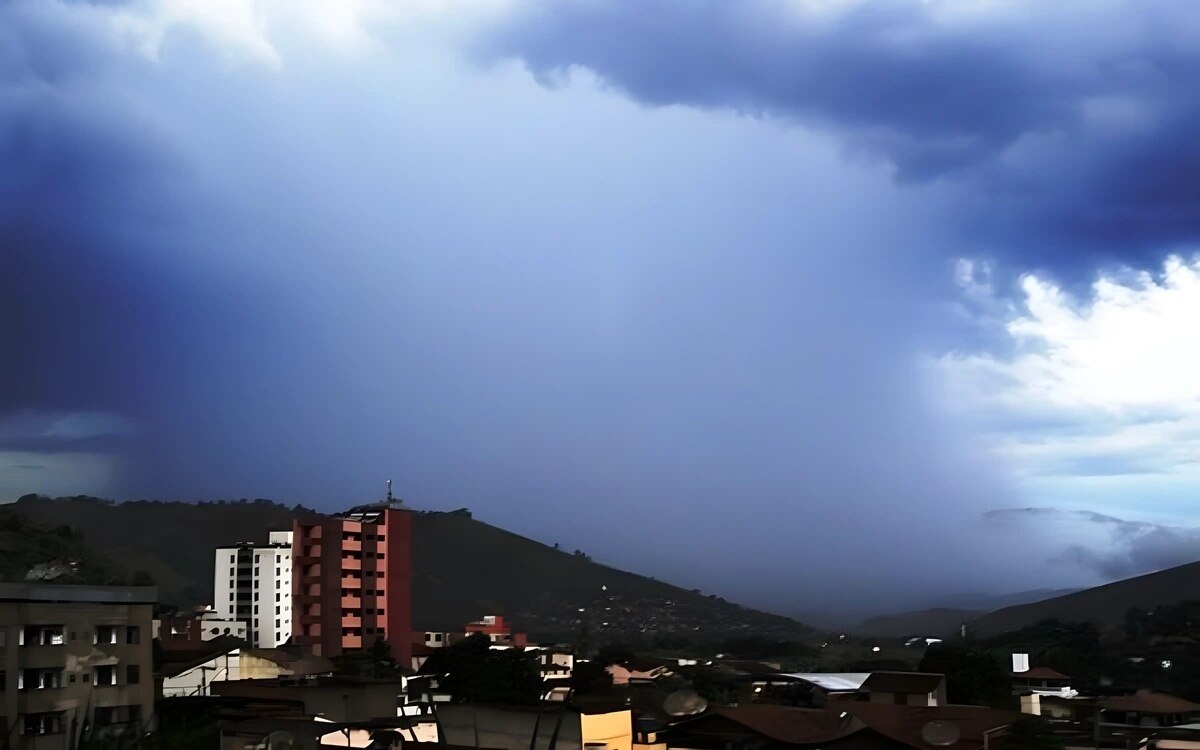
809, 303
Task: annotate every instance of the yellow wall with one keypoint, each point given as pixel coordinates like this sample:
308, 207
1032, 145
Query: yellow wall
256, 668
613, 729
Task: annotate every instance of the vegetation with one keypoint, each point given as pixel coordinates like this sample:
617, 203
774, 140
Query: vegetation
974, 676
473, 672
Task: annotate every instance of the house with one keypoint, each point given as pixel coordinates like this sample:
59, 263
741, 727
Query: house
337, 698
842, 725
75, 662
817, 687
188, 631
314, 733
1147, 709
523, 727
1041, 681
906, 688
640, 669
272, 663
186, 672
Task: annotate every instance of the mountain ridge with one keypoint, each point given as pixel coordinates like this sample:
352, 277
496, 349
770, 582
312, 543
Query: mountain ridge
463, 569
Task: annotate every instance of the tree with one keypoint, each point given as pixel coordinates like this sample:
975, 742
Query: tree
973, 675
590, 678
472, 671
1029, 733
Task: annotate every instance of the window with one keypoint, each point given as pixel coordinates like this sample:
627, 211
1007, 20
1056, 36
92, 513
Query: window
277, 622
230, 596
278, 570
133, 635
133, 674
277, 609
106, 676
255, 596
232, 574
49, 723
256, 609
43, 635
380, 555
105, 634
378, 592
41, 679
232, 584
256, 570
278, 584
277, 596
379, 611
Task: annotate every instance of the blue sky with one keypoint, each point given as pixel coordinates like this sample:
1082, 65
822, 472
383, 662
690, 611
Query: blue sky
813, 282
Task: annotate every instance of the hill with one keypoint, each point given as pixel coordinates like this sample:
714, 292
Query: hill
948, 613
939, 622
463, 568
1104, 605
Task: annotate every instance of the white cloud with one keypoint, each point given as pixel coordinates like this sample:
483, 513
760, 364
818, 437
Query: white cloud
1103, 386
253, 30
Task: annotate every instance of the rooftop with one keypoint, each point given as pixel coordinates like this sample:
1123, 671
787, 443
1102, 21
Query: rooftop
66, 593
1150, 702
833, 681
903, 682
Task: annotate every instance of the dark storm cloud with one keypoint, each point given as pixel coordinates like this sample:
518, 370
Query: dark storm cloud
620, 332
1071, 125
80, 189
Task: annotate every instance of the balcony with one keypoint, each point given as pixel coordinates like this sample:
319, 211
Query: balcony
309, 573
309, 619
351, 563
350, 582
352, 545
351, 621
351, 641
311, 532
351, 602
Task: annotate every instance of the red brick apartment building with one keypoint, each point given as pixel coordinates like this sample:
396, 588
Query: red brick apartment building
352, 581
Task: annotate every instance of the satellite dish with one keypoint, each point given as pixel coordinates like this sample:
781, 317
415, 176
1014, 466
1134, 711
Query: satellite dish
941, 733
684, 703
281, 739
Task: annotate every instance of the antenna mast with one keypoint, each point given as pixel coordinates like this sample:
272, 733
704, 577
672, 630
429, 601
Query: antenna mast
389, 499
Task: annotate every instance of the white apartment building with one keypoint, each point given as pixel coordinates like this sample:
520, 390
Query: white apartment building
253, 583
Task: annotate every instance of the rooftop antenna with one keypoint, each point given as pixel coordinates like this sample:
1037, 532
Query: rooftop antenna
389, 491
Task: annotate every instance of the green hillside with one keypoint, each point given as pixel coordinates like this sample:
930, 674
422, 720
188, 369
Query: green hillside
463, 569
1104, 606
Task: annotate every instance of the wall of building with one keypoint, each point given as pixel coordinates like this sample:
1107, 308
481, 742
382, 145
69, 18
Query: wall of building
509, 727
78, 658
336, 700
197, 681
614, 730
253, 584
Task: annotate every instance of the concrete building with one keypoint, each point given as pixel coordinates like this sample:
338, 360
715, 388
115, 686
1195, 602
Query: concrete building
253, 583
352, 581
75, 661
191, 630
